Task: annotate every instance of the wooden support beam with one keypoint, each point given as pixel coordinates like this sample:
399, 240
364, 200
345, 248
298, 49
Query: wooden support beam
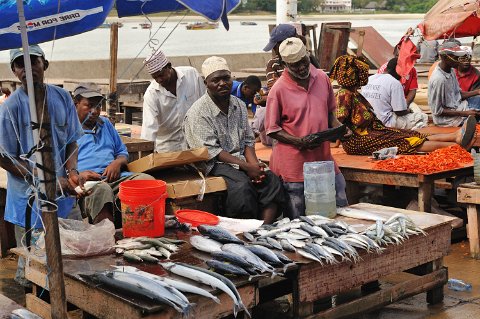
112, 105
386, 296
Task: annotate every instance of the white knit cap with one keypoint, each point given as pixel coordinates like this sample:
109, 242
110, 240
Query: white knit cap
213, 64
155, 62
292, 50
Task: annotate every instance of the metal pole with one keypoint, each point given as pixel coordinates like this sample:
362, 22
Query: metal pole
112, 107
46, 185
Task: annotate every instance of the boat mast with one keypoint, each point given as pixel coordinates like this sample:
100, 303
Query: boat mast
286, 11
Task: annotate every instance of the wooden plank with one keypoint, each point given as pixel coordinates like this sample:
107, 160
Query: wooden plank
468, 195
7, 306
334, 279
473, 230
473, 185
333, 40
375, 47
386, 296
379, 177
38, 306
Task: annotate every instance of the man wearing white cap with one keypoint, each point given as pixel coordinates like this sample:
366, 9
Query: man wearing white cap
449, 104
219, 121
300, 103
167, 100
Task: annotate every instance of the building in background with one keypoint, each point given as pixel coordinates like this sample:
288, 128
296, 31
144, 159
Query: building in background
336, 6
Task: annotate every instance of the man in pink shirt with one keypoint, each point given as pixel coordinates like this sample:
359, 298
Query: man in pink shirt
300, 103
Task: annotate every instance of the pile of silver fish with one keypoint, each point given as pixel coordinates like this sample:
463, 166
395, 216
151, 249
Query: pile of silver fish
146, 249
393, 231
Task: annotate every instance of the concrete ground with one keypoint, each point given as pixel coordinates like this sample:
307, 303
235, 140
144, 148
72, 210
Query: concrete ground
456, 305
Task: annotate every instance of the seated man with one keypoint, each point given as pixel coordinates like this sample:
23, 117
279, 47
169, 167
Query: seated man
385, 93
449, 104
468, 76
246, 90
101, 154
219, 122
167, 100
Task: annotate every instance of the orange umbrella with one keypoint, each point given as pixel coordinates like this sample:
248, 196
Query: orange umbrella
451, 18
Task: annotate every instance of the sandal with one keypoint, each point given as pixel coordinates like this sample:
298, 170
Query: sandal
468, 131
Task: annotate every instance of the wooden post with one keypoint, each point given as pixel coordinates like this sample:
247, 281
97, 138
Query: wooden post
49, 213
361, 39
112, 105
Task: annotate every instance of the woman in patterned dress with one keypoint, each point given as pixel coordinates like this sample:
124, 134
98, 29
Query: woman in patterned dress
368, 132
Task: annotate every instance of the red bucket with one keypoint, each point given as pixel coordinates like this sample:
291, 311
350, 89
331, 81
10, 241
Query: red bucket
143, 207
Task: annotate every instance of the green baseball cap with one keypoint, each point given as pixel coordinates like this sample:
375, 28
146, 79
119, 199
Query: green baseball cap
32, 50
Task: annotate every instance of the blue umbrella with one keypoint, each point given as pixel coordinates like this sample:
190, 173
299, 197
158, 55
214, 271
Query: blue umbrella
55, 19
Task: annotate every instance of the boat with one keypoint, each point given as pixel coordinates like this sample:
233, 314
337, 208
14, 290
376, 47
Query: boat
248, 23
202, 25
146, 25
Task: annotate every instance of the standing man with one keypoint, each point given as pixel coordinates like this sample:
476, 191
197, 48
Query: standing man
16, 143
219, 122
301, 103
385, 93
101, 155
449, 104
167, 100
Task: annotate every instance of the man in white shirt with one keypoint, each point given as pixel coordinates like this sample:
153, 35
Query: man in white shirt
167, 100
385, 93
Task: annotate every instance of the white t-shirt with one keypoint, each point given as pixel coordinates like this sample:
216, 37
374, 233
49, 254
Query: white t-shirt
385, 94
163, 112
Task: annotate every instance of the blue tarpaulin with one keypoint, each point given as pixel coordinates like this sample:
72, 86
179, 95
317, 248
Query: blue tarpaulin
55, 19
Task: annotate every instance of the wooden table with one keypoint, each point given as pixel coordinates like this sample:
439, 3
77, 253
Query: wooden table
107, 303
421, 255
361, 169
469, 194
137, 147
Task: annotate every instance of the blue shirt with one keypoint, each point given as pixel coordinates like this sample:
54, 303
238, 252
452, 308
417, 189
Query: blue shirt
16, 138
97, 150
237, 91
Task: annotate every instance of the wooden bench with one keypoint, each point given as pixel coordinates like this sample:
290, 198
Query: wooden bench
469, 193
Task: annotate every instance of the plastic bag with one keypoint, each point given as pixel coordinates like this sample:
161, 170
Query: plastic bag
79, 239
384, 153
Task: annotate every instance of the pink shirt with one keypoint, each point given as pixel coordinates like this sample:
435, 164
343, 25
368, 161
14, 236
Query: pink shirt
299, 112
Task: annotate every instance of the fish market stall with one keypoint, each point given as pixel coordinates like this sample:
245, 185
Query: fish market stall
391, 241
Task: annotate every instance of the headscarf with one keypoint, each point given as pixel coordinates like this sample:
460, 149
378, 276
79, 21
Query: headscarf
350, 71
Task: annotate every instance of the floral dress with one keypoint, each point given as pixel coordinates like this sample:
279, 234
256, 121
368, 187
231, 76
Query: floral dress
369, 133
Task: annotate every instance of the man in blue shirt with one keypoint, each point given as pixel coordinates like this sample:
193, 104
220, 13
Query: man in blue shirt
246, 90
16, 142
101, 154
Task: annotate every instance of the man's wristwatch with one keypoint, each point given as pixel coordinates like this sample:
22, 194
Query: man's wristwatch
70, 170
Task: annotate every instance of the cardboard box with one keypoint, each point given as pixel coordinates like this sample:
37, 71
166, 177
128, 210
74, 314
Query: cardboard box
184, 183
158, 161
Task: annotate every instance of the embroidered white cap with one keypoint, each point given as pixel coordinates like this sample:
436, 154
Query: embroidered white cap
155, 62
213, 64
292, 50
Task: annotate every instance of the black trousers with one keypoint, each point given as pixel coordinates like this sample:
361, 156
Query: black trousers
246, 199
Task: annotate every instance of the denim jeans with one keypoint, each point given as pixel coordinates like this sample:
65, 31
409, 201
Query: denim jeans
474, 102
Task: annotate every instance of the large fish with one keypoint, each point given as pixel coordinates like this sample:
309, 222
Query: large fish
208, 278
205, 244
142, 286
226, 268
234, 259
250, 257
219, 234
182, 286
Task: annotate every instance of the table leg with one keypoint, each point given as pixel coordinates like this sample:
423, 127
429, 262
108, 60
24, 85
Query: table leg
352, 191
128, 115
425, 193
473, 231
434, 295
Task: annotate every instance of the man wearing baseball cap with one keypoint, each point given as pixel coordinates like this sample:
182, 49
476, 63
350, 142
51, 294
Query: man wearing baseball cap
101, 155
167, 100
449, 104
300, 103
16, 143
219, 121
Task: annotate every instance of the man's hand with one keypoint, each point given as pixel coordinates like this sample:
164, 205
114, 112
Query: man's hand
255, 171
472, 112
112, 172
